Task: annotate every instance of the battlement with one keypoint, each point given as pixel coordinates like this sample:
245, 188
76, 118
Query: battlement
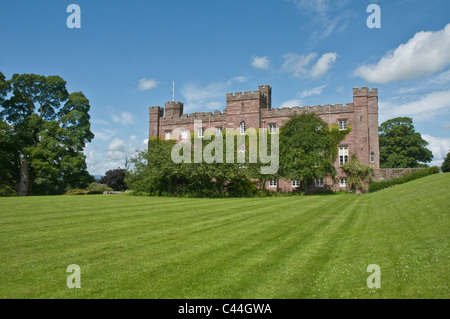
364, 91
206, 116
156, 110
173, 104
288, 111
247, 95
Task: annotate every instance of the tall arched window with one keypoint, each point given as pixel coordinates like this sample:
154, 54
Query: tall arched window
242, 127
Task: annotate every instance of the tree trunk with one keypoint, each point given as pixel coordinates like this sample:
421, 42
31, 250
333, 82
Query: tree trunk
24, 181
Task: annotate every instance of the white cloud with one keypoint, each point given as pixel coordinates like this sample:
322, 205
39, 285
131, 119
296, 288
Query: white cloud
297, 64
446, 127
323, 64
100, 157
314, 91
260, 62
424, 53
440, 146
325, 17
427, 107
147, 84
300, 65
104, 134
239, 79
316, 6
209, 97
291, 103
124, 118
198, 97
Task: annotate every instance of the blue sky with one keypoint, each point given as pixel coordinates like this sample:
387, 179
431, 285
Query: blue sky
127, 53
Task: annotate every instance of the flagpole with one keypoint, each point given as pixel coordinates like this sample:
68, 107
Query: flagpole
173, 91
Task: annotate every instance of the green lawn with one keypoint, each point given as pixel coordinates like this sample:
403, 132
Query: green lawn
281, 247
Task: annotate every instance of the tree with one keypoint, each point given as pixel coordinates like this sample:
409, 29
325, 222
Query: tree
308, 149
115, 179
401, 146
358, 175
446, 164
49, 128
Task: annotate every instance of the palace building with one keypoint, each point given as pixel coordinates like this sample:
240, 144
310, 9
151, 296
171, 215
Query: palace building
254, 110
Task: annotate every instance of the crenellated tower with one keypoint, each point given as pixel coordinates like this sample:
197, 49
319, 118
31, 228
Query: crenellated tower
365, 125
173, 109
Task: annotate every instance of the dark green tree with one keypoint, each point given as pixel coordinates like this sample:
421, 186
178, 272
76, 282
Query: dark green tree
50, 129
308, 149
115, 178
446, 164
401, 146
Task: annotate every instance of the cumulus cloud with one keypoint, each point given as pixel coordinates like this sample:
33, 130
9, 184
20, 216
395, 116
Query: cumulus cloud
147, 84
123, 118
425, 53
300, 65
440, 146
427, 107
211, 96
297, 64
104, 134
291, 103
325, 62
260, 62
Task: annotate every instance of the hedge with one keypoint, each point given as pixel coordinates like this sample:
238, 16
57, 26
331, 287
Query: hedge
376, 186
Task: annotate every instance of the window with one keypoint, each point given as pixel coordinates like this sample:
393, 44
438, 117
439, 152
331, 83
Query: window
343, 155
273, 183
200, 132
184, 134
218, 131
167, 135
319, 182
342, 125
272, 128
372, 157
342, 182
242, 127
295, 183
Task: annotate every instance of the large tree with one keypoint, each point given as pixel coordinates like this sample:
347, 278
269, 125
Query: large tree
115, 178
308, 149
44, 129
401, 146
446, 164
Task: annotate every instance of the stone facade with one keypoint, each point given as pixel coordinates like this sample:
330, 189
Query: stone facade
255, 110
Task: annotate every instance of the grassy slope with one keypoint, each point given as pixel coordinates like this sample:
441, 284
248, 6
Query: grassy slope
283, 247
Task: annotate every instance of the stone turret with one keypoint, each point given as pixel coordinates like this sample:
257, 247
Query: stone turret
173, 109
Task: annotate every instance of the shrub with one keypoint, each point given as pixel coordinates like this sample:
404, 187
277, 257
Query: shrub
241, 187
77, 191
99, 188
6, 191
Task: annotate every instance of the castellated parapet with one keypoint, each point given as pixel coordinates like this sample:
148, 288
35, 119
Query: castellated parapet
255, 110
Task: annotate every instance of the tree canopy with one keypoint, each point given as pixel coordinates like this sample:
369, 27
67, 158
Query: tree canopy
43, 131
401, 146
115, 178
446, 164
308, 148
